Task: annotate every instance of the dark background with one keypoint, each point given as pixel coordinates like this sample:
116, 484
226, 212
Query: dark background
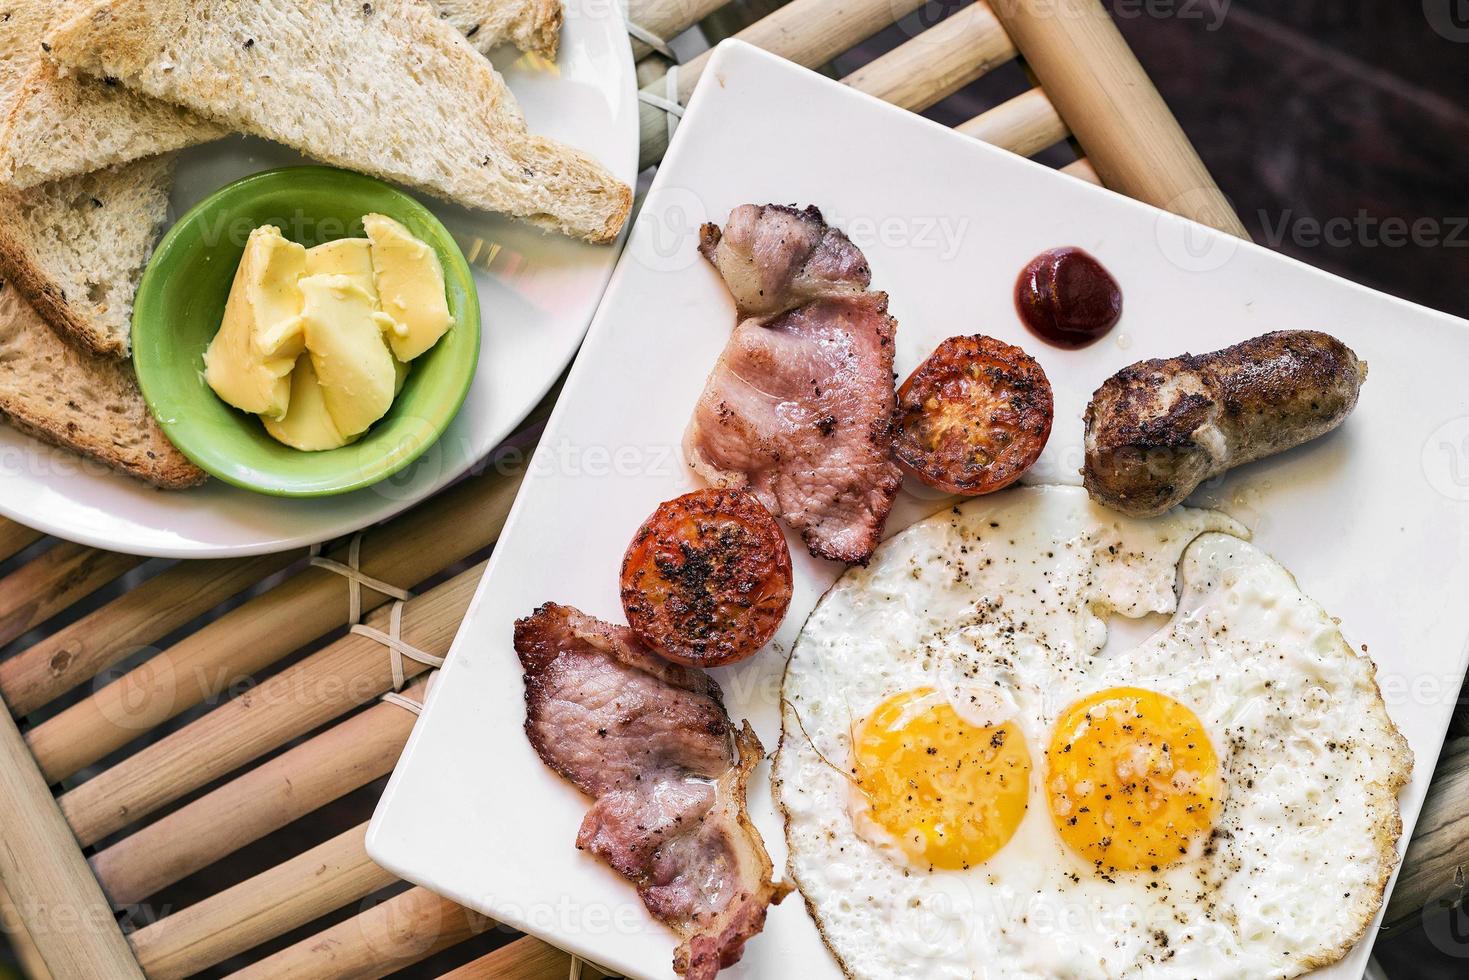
1307, 112
1349, 117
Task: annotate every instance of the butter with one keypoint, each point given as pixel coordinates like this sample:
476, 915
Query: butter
249, 361
352, 363
410, 287
351, 257
307, 424
306, 342
400, 376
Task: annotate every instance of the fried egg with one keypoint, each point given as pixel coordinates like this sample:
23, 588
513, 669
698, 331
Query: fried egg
975, 783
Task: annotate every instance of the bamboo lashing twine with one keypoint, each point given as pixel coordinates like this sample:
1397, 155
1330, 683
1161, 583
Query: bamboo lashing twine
408, 704
356, 578
668, 101
652, 40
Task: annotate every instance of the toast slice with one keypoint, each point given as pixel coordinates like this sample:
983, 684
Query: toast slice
76, 248
386, 87
85, 403
64, 124
54, 125
531, 25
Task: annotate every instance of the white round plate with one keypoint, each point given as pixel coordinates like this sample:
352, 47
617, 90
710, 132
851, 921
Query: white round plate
537, 295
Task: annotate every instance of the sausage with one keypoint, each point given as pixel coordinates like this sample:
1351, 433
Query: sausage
1157, 429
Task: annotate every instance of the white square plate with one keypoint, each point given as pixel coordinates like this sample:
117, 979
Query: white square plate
1373, 520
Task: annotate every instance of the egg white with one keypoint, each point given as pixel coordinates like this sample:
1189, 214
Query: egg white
1009, 594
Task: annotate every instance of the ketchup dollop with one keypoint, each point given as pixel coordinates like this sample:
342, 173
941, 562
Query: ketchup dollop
1066, 298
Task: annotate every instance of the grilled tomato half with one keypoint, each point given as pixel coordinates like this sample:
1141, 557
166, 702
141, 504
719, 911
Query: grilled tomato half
707, 578
973, 417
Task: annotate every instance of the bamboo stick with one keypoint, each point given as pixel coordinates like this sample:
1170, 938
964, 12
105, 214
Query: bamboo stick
1025, 124
1109, 102
60, 903
350, 671
343, 758
933, 65
308, 886
386, 938
27, 956
1082, 170
527, 958
252, 636
667, 19
52, 581
78, 652
1438, 854
808, 32
15, 538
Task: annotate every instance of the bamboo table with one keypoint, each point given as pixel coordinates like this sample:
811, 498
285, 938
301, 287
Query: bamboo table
163, 716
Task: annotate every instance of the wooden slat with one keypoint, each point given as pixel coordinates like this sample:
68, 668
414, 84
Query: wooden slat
157, 607
1439, 852
346, 673
52, 581
667, 19
343, 758
928, 68
15, 538
400, 932
254, 635
808, 32
301, 890
27, 956
1026, 124
59, 901
527, 958
1108, 101
1082, 170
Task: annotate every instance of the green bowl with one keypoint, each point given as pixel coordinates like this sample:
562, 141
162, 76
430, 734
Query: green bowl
181, 301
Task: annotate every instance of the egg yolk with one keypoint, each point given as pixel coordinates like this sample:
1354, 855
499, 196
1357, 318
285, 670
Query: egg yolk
950, 792
1132, 779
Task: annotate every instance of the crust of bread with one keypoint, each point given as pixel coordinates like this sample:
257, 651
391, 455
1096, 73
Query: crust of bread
531, 25
468, 142
168, 473
540, 29
19, 268
122, 435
